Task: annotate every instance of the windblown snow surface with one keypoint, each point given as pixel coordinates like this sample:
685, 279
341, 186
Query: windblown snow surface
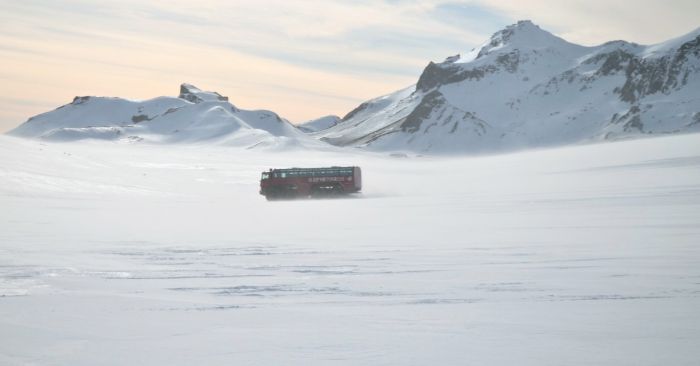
117, 254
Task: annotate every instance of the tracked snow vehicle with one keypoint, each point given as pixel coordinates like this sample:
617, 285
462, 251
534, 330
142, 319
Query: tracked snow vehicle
310, 182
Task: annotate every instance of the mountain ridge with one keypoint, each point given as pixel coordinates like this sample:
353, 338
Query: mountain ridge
194, 116
525, 87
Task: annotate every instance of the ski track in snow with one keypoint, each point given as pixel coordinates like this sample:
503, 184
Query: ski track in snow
113, 254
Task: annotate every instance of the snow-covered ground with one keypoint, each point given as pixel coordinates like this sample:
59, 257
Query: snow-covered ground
166, 255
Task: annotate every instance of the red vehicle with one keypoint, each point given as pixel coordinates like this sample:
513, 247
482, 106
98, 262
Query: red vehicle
310, 182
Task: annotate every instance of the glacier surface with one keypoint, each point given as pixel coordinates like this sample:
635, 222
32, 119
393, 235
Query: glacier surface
151, 254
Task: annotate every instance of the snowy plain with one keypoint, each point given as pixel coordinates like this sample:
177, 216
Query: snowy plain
117, 254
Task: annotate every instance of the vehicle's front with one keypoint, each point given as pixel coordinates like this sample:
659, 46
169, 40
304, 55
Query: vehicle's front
264, 180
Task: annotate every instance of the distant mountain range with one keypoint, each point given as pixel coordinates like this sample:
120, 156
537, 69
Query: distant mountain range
523, 88
194, 116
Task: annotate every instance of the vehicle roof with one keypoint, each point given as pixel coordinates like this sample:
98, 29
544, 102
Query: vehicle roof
314, 169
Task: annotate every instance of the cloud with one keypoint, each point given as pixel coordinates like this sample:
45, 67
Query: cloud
299, 58
593, 22
472, 16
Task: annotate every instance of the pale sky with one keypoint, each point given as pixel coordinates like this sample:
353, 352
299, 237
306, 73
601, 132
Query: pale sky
301, 59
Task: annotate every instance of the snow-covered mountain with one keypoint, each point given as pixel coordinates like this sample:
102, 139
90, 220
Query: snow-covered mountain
319, 124
193, 116
526, 87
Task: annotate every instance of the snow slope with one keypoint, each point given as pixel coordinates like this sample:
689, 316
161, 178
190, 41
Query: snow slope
319, 124
195, 116
528, 88
146, 254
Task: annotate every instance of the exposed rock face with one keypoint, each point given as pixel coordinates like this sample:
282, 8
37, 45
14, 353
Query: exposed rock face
80, 100
452, 59
355, 111
193, 94
630, 120
661, 75
428, 104
436, 75
525, 87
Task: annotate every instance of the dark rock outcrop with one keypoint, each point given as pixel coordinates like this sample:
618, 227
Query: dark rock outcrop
430, 101
195, 95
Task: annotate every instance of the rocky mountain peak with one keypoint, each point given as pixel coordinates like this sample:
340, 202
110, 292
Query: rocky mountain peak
527, 87
522, 35
193, 94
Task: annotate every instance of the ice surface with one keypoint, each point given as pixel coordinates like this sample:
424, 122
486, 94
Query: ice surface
149, 254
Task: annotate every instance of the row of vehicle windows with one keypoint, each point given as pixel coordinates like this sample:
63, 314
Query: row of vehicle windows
312, 173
